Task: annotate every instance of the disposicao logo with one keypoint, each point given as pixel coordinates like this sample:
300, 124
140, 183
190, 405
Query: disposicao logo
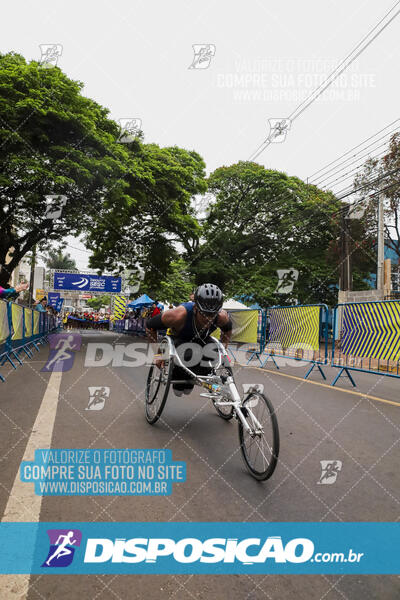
190, 550
62, 547
166, 552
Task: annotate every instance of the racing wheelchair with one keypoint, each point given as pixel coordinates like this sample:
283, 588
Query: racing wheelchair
257, 422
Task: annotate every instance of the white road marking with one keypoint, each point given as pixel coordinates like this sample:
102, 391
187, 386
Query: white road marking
23, 504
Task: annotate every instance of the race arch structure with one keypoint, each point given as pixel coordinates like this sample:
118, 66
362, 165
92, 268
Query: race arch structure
72, 284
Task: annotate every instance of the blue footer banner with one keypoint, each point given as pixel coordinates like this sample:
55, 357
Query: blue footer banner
204, 548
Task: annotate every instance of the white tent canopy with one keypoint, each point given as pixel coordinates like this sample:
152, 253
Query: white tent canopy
232, 304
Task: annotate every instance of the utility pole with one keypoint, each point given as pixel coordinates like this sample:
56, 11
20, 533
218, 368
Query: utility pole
345, 259
349, 274
381, 245
387, 284
32, 276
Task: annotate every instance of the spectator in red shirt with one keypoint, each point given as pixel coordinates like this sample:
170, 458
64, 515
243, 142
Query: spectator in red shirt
156, 310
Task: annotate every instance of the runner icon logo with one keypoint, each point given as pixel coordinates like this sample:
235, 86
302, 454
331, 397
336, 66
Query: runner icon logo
252, 387
130, 128
63, 543
330, 470
50, 54
62, 348
357, 209
202, 206
203, 54
54, 206
97, 397
135, 278
287, 279
278, 130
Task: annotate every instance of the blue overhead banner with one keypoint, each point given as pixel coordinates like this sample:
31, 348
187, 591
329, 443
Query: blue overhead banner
87, 283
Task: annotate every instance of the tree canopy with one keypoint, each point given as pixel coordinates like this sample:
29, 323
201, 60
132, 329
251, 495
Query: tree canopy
53, 140
145, 225
177, 286
56, 259
132, 201
262, 221
99, 301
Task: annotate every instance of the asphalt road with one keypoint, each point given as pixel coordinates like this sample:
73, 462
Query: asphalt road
316, 423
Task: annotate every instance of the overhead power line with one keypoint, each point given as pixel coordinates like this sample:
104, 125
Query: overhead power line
349, 174
79, 249
343, 65
367, 184
386, 188
354, 148
339, 70
353, 158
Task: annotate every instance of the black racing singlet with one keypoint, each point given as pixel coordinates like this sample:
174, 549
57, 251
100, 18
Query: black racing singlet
188, 332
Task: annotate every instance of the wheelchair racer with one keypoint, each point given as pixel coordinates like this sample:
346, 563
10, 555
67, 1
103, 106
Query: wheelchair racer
192, 323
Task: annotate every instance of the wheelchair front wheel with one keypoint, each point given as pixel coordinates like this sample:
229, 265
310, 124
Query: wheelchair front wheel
259, 445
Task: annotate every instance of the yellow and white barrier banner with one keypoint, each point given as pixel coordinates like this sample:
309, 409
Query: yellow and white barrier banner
4, 326
36, 320
244, 326
120, 303
294, 328
28, 322
372, 330
16, 316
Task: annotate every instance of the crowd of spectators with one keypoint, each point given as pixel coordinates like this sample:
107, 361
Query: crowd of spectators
86, 320
145, 312
12, 293
43, 307
133, 314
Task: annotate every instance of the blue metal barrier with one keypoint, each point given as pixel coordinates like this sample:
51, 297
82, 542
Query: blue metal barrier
130, 326
25, 338
261, 336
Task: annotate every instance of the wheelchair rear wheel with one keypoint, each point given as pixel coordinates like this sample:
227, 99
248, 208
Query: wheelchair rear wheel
158, 384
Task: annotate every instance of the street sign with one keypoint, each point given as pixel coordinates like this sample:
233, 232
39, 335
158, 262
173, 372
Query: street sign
83, 282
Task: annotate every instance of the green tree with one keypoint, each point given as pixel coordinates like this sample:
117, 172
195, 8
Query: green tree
153, 217
261, 221
55, 259
53, 140
99, 301
132, 201
177, 286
